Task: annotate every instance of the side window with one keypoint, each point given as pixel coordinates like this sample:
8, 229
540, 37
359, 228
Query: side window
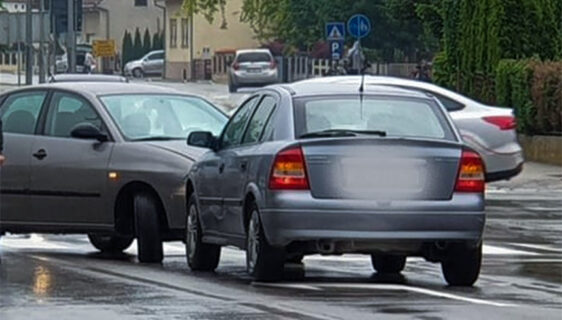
257, 124
450, 104
66, 111
20, 112
234, 130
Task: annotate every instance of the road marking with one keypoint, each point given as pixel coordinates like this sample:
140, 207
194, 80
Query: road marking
493, 250
392, 287
537, 246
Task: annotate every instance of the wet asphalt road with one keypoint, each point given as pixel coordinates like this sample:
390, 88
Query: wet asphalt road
63, 277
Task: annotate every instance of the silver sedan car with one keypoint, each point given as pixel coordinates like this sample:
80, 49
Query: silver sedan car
491, 131
321, 168
106, 159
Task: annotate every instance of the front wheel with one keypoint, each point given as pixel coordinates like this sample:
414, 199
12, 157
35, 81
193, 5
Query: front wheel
147, 227
263, 261
110, 243
200, 256
461, 267
138, 73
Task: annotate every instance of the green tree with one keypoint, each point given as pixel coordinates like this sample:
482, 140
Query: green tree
127, 48
146, 42
137, 46
156, 43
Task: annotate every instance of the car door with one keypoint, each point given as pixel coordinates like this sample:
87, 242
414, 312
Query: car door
20, 113
153, 63
69, 175
212, 166
238, 160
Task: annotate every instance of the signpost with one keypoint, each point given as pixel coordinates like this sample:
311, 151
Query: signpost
359, 26
103, 48
335, 34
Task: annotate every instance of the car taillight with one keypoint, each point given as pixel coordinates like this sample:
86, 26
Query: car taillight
471, 177
235, 66
272, 64
502, 122
289, 171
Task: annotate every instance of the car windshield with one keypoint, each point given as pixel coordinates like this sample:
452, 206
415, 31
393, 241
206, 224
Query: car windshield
162, 117
253, 57
384, 117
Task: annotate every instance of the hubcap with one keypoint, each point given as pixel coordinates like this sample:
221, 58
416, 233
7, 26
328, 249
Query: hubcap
191, 236
253, 242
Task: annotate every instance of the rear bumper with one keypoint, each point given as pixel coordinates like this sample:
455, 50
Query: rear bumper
285, 225
504, 175
254, 79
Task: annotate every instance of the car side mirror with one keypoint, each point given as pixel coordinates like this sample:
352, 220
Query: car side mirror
201, 139
88, 131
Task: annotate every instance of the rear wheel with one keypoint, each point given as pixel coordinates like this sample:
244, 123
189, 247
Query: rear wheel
110, 243
461, 267
200, 256
384, 263
232, 88
147, 227
263, 261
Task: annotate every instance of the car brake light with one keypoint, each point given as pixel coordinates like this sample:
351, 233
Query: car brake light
289, 171
235, 66
502, 122
272, 64
471, 176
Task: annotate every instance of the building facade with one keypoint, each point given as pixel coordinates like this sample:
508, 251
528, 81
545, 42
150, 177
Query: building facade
213, 43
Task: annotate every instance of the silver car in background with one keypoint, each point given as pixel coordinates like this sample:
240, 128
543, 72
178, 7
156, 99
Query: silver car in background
152, 64
314, 168
106, 159
250, 68
491, 131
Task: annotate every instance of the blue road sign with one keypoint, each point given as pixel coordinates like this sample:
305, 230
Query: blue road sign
359, 26
336, 49
335, 31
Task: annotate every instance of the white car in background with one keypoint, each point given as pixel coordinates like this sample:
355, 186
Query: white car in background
491, 131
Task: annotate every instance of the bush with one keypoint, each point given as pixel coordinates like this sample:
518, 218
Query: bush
534, 89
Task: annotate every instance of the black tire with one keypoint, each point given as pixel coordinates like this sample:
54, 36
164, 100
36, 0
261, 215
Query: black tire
138, 73
232, 88
200, 256
461, 267
263, 261
147, 227
295, 258
110, 243
388, 264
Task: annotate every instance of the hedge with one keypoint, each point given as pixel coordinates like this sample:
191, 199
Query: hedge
534, 89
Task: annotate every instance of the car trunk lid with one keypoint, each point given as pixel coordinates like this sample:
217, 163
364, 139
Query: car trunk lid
381, 168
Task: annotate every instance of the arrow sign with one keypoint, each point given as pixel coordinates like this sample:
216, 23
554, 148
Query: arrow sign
335, 31
359, 26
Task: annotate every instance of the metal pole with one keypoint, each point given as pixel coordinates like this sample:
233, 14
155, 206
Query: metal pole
19, 63
71, 38
28, 44
42, 42
192, 61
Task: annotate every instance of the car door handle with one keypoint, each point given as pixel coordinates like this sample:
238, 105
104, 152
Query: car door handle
40, 154
221, 168
243, 165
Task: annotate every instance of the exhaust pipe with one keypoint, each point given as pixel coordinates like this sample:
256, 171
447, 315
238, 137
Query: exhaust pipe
325, 247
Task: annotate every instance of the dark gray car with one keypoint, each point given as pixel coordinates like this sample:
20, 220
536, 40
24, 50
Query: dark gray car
320, 168
107, 159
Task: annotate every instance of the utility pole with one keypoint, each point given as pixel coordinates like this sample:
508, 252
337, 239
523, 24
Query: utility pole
29, 45
42, 41
71, 37
192, 60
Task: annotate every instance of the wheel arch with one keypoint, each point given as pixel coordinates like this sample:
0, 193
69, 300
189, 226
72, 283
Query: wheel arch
251, 195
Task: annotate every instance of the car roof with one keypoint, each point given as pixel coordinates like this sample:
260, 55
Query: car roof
327, 86
73, 77
253, 51
108, 88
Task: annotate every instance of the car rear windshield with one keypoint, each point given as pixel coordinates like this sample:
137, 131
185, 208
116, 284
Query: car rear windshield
253, 57
393, 116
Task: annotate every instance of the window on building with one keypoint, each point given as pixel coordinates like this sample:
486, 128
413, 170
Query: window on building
141, 3
184, 33
173, 33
